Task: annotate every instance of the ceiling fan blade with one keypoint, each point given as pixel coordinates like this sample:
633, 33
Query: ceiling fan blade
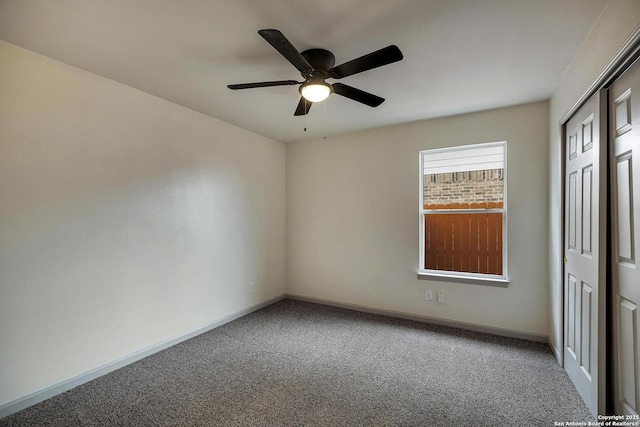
372, 60
357, 95
286, 49
262, 84
303, 107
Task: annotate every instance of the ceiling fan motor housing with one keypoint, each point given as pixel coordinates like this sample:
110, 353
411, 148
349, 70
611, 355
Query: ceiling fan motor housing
321, 60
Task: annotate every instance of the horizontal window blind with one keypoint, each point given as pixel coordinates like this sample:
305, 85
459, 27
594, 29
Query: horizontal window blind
469, 159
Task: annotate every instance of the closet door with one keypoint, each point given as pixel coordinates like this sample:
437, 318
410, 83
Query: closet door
585, 251
624, 114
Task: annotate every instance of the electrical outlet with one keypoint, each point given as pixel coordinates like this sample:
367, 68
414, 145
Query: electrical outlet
251, 288
441, 298
428, 295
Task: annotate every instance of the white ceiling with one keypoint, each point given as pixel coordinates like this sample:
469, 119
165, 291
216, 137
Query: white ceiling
459, 55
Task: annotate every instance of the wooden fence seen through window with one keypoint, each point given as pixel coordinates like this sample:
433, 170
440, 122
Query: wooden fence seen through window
464, 242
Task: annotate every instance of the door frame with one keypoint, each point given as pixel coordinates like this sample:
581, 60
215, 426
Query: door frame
622, 59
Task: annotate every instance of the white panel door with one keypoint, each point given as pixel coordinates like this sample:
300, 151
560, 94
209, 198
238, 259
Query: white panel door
584, 273
624, 113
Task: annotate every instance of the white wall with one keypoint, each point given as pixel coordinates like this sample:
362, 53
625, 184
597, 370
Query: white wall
125, 220
617, 22
353, 222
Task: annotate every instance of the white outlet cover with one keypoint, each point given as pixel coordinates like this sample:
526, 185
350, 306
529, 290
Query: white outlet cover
441, 298
428, 295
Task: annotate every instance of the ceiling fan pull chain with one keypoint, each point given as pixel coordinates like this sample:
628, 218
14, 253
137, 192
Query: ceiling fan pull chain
325, 118
305, 116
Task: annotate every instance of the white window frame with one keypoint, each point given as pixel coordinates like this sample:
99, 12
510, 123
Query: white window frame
460, 276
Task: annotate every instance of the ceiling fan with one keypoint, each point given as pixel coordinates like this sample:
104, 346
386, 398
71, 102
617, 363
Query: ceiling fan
317, 65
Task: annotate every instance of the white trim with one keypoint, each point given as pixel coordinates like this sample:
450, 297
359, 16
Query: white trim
616, 64
426, 319
471, 278
505, 216
465, 147
620, 61
457, 211
48, 392
65, 385
421, 214
557, 353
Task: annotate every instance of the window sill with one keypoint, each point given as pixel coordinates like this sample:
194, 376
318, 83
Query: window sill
472, 280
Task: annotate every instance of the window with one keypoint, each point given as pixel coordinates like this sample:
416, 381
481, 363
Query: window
463, 212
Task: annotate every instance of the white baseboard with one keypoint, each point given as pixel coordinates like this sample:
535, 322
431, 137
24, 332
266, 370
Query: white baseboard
48, 392
557, 354
426, 319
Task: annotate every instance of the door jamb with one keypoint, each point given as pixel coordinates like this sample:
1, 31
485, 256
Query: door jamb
622, 59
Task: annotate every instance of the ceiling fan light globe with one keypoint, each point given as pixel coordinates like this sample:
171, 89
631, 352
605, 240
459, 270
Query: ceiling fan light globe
315, 92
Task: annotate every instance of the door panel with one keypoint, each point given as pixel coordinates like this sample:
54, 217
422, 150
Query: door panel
628, 357
586, 337
573, 183
571, 299
624, 203
625, 217
585, 225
